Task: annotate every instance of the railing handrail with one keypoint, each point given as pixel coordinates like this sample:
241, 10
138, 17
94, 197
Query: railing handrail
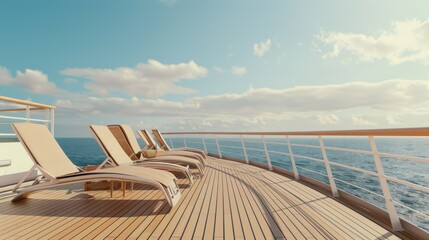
394, 132
27, 107
27, 103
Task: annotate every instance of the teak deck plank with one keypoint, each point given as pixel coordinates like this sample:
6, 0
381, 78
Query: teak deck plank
244, 219
231, 201
304, 215
45, 213
113, 222
236, 222
339, 212
211, 215
298, 219
180, 217
192, 222
254, 224
195, 201
227, 218
116, 222
287, 226
202, 218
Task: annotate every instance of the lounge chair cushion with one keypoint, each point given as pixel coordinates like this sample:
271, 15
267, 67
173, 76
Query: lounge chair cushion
45, 150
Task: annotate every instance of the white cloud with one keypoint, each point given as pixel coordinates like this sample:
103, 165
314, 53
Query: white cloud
216, 124
297, 109
5, 77
391, 120
406, 42
152, 79
238, 71
218, 69
359, 120
30, 80
328, 119
345, 106
260, 49
321, 101
116, 106
385, 95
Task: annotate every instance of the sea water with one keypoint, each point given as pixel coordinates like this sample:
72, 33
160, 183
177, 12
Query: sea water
86, 151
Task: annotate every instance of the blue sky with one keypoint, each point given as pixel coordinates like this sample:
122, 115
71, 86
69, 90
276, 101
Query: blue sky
219, 65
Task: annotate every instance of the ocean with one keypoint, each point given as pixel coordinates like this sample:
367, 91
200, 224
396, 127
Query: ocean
85, 151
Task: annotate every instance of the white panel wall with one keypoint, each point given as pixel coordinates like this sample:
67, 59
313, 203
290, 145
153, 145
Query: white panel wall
20, 163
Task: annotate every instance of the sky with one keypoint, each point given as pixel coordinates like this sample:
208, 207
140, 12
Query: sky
218, 65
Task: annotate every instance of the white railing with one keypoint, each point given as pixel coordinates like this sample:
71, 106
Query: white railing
15, 110
235, 141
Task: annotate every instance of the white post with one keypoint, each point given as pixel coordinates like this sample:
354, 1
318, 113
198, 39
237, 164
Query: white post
328, 168
53, 122
204, 145
244, 149
47, 117
184, 141
171, 141
27, 113
218, 148
292, 159
270, 166
390, 205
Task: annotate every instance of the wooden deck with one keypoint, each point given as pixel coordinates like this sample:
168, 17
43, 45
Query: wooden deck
232, 200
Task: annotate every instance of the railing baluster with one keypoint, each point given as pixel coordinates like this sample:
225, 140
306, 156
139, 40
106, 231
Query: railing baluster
53, 121
47, 116
204, 144
184, 141
390, 205
292, 159
328, 168
218, 148
27, 113
171, 141
244, 149
270, 166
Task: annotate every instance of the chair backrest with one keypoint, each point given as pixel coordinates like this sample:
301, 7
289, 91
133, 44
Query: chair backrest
147, 139
110, 145
163, 144
125, 136
44, 149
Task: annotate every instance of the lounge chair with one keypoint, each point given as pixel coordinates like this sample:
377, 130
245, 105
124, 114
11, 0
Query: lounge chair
116, 156
58, 170
126, 138
124, 134
163, 144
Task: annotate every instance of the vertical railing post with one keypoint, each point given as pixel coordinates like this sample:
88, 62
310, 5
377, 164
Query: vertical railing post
244, 149
53, 122
328, 168
390, 205
184, 141
27, 113
292, 159
171, 142
218, 147
47, 118
204, 145
270, 166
